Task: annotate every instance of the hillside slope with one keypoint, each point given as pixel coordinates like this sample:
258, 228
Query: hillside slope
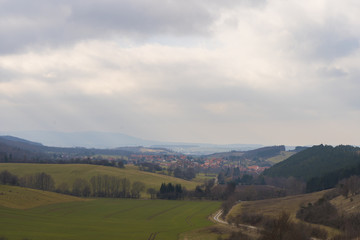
69, 172
24, 198
316, 162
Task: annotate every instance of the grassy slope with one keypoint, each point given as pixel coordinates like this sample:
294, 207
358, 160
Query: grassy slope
24, 198
106, 219
272, 207
69, 172
279, 158
347, 205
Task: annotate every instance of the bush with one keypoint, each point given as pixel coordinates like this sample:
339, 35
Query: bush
8, 178
321, 212
248, 218
238, 235
282, 228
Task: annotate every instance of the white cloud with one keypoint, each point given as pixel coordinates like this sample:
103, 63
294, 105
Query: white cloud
273, 72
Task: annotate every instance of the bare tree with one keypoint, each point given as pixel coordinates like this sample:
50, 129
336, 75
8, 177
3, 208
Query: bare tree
137, 187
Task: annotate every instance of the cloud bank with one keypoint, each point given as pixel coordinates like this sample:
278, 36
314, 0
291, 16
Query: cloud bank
268, 72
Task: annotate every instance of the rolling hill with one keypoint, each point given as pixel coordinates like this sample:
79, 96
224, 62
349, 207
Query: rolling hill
25, 198
67, 173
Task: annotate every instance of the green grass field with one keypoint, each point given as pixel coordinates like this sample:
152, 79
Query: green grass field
104, 219
69, 172
24, 198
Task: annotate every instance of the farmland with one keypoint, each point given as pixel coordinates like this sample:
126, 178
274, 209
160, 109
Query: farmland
104, 219
69, 172
24, 198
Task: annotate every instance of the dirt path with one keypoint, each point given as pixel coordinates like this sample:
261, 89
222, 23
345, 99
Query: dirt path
218, 220
216, 217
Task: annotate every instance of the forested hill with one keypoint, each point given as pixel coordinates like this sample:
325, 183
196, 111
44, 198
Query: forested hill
264, 152
316, 162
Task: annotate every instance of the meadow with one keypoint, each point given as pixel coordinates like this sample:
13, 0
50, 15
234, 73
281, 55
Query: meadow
67, 173
99, 218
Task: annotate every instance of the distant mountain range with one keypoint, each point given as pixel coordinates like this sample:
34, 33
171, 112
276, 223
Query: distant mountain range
14, 149
106, 140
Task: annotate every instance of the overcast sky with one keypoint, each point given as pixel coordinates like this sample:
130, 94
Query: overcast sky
231, 71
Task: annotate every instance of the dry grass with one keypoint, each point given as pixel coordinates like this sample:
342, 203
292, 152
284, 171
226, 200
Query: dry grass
347, 205
272, 207
289, 204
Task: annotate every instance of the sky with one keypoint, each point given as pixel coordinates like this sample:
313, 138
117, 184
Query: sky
246, 71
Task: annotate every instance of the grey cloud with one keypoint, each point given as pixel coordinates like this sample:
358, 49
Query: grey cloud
7, 75
328, 41
27, 23
43, 23
332, 46
331, 72
143, 16
346, 91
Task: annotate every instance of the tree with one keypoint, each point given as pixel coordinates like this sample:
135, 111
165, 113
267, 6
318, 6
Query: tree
81, 188
137, 187
8, 178
63, 188
125, 187
152, 192
189, 173
221, 178
169, 191
40, 181
178, 173
44, 181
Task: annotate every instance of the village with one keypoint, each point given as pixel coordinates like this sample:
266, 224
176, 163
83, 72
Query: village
201, 164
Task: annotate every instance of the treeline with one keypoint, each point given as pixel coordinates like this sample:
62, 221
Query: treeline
235, 175
149, 167
40, 181
170, 191
120, 163
98, 186
104, 186
102, 162
331, 179
290, 185
185, 173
